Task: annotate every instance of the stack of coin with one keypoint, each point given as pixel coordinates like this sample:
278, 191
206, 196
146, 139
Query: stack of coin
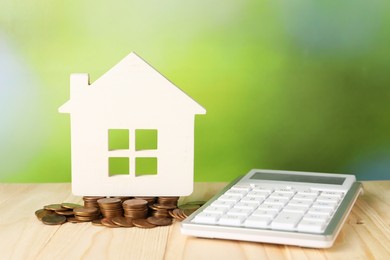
110, 207
83, 214
135, 208
122, 198
150, 200
163, 206
91, 201
168, 201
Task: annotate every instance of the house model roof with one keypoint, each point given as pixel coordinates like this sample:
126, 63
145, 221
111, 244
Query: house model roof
131, 85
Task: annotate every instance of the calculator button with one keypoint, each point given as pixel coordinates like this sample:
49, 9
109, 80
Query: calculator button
231, 220
256, 200
281, 195
216, 210
311, 226
229, 198
239, 212
328, 205
264, 213
309, 192
286, 220
241, 187
257, 221
273, 201
285, 191
246, 205
223, 203
206, 218
303, 203
316, 217
308, 197
272, 207
262, 188
296, 209
240, 193
333, 194
327, 199
320, 211
258, 194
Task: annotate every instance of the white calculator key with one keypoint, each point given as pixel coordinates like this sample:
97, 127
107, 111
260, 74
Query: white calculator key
297, 209
257, 222
308, 197
262, 188
321, 211
311, 226
273, 201
272, 207
332, 194
286, 220
223, 203
239, 212
256, 200
316, 217
242, 187
217, 210
231, 220
257, 194
328, 205
327, 199
206, 218
309, 192
240, 193
229, 198
281, 195
264, 213
246, 205
285, 190
302, 203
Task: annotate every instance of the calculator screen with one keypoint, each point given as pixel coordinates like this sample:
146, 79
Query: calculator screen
298, 178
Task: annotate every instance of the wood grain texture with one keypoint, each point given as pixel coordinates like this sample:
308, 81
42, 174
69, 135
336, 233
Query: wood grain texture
366, 234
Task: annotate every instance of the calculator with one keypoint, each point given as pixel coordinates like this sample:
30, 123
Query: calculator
283, 207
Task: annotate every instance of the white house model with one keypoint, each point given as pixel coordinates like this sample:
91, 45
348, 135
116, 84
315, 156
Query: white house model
132, 133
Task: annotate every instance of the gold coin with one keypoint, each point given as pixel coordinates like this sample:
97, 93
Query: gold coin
72, 220
82, 211
143, 223
68, 212
123, 221
53, 219
70, 205
54, 207
97, 222
159, 221
40, 213
108, 223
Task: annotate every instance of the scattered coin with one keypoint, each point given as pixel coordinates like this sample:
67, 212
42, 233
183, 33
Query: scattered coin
54, 207
40, 213
97, 222
159, 221
142, 223
68, 212
70, 205
72, 220
108, 223
123, 222
53, 219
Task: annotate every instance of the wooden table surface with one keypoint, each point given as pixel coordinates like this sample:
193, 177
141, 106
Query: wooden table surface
366, 234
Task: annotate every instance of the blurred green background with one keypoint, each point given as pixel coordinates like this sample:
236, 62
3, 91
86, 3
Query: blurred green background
293, 85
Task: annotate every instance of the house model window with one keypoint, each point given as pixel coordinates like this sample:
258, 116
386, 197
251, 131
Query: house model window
132, 132
142, 152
